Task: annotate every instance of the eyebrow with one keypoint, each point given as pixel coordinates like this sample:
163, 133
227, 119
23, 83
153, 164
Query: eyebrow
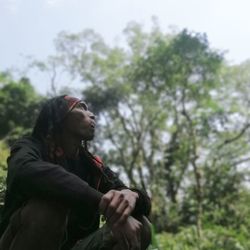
83, 104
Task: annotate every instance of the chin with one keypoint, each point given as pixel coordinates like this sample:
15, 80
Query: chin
88, 138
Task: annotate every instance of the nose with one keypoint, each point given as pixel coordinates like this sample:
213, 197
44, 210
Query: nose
92, 117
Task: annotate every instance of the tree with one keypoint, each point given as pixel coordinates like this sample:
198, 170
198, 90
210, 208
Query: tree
19, 105
162, 119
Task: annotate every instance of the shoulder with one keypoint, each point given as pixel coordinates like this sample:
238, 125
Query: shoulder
26, 144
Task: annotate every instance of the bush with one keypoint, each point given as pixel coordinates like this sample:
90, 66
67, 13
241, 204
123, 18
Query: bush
4, 153
213, 238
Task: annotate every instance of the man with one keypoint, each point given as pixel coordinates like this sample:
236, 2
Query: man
57, 190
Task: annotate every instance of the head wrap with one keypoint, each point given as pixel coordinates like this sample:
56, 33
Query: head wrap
52, 114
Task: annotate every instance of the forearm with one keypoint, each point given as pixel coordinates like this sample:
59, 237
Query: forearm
52, 181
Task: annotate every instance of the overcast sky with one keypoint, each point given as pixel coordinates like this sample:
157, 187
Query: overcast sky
28, 27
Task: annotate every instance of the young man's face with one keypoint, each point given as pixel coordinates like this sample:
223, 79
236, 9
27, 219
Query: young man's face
80, 122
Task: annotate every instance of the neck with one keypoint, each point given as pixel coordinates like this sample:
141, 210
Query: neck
70, 146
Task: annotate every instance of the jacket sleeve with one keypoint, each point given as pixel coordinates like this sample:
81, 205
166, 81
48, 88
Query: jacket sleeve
143, 204
37, 178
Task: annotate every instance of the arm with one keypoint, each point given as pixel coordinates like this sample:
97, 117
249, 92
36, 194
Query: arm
133, 202
142, 201
35, 177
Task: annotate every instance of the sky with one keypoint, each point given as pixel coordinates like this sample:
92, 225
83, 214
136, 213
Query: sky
29, 27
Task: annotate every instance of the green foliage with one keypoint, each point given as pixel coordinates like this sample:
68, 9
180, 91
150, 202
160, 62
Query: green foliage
4, 153
19, 105
213, 238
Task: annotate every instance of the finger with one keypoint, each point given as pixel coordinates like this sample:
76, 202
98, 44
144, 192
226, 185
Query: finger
118, 213
114, 204
126, 213
136, 236
105, 201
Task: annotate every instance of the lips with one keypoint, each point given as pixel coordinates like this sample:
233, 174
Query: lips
92, 128
92, 124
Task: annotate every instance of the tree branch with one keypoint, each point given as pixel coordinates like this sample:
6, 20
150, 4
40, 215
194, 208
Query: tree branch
235, 138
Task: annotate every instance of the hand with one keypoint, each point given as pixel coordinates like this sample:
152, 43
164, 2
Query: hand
128, 235
116, 206
131, 197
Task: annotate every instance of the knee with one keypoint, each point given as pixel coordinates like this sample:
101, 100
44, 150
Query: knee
146, 235
44, 217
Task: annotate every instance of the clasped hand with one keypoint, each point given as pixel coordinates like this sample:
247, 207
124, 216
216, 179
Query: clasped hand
117, 206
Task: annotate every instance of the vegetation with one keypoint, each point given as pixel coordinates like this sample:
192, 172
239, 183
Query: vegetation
173, 120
